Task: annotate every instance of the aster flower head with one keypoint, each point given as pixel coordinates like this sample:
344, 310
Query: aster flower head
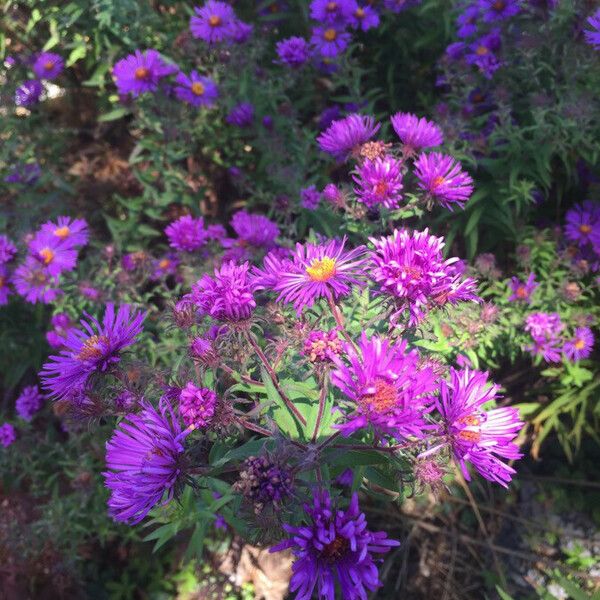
443, 179
197, 406
332, 11
213, 21
255, 230
319, 271
28, 93
582, 222
332, 194
333, 549
240, 32
522, 291
276, 261
7, 250
195, 89
364, 18
410, 268
499, 10
467, 21
330, 40
481, 437
379, 182
142, 461
228, 295
29, 402
416, 133
580, 345
293, 51
481, 53
346, 135
310, 197
8, 435
24, 173
70, 232
61, 323
545, 330
95, 348
320, 346
186, 233
55, 255
33, 282
592, 37
388, 387
5, 290
141, 72
241, 115
48, 65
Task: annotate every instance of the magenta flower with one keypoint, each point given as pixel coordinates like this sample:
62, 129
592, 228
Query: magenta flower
29, 402
580, 345
61, 323
142, 461
416, 133
28, 93
335, 549
7, 250
255, 230
165, 266
442, 178
5, 291
197, 406
364, 18
293, 52
48, 65
310, 197
379, 182
71, 232
499, 10
332, 11
545, 330
32, 281
186, 233
95, 348
593, 37
481, 437
320, 346
410, 268
276, 261
213, 22
8, 435
522, 291
228, 295
141, 72
195, 89
388, 389
317, 271
330, 40
56, 256
345, 136
582, 221
333, 195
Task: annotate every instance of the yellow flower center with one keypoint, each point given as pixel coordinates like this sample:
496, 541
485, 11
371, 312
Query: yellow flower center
467, 435
214, 20
1, 282
197, 89
579, 344
585, 228
321, 269
91, 348
46, 255
164, 263
141, 73
331, 6
335, 550
521, 292
359, 13
384, 398
62, 232
381, 188
330, 35
439, 180
499, 5
49, 65
481, 50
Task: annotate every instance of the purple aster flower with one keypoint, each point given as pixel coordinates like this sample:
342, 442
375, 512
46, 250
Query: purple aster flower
5, 291
580, 345
582, 221
216, 232
332, 11
25, 173
32, 281
320, 346
329, 115
70, 232
8, 434
240, 32
397, 6
481, 437
48, 65
388, 388
141, 72
443, 179
345, 136
142, 460
29, 402
275, 261
593, 37
333, 195
293, 51
213, 22
133, 261
467, 21
241, 115
28, 93
410, 268
195, 89
330, 40
334, 549
545, 330
228, 296
255, 230
364, 18
310, 197
416, 133
61, 323
94, 349
319, 270
165, 266
482, 53
379, 182
53, 253
7, 250
456, 50
186, 233
197, 406
499, 10
521, 291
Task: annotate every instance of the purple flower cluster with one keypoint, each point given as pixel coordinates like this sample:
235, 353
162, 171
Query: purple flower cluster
241, 115
583, 229
8, 435
321, 346
592, 37
197, 406
216, 22
187, 233
522, 290
141, 72
310, 198
45, 66
345, 136
29, 402
379, 182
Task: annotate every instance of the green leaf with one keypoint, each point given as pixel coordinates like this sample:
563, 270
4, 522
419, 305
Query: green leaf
113, 115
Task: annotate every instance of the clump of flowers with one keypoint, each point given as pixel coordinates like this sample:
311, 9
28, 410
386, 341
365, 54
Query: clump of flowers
197, 405
29, 402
